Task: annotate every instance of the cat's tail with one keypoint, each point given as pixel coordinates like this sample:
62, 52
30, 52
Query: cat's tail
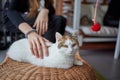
4, 60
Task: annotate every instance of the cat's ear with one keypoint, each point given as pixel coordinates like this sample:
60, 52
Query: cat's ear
58, 36
75, 34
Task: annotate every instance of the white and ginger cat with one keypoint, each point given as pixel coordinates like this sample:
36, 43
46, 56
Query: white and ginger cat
61, 54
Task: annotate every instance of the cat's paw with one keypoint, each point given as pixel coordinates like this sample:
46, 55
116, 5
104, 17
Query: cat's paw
77, 62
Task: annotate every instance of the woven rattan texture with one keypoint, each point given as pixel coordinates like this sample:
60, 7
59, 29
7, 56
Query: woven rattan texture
12, 70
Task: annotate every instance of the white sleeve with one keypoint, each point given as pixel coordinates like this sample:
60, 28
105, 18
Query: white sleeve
42, 5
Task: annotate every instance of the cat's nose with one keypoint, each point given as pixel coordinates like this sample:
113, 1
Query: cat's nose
70, 49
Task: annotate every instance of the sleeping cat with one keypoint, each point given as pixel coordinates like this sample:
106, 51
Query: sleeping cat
61, 53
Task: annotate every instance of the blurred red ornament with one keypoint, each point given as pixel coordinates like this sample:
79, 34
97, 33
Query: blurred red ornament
96, 27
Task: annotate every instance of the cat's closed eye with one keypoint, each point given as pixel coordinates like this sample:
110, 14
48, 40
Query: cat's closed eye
73, 45
66, 46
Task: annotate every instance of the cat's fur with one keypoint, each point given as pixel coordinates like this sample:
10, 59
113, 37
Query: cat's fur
61, 53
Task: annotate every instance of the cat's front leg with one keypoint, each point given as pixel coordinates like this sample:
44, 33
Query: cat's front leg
78, 62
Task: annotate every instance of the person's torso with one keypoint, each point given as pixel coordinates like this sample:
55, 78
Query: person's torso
19, 5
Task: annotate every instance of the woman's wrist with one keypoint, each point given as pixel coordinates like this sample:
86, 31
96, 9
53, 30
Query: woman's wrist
45, 9
29, 32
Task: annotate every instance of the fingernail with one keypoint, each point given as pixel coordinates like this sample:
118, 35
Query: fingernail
47, 54
36, 55
41, 57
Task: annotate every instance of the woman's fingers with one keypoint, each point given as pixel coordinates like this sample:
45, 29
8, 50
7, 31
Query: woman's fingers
40, 52
31, 47
44, 47
46, 27
34, 25
47, 42
37, 26
43, 27
40, 28
38, 47
35, 51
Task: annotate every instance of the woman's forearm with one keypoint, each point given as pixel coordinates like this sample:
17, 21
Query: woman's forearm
24, 27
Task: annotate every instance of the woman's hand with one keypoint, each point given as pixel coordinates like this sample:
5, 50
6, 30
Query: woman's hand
37, 45
41, 23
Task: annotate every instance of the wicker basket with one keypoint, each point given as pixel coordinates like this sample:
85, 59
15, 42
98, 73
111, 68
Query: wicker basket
12, 70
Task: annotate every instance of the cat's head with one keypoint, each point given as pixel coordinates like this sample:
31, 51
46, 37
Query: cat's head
68, 45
